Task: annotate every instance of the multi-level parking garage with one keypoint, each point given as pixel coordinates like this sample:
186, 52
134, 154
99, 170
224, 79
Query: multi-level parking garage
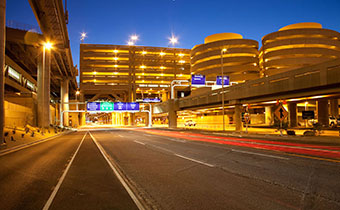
238, 56
296, 46
131, 72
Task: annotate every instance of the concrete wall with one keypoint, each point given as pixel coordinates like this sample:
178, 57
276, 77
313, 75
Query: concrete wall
19, 112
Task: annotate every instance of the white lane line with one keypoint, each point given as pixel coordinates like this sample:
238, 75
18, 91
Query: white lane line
120, 178
54, 193
193, 160
138, 142
144, 134
259, 154
120, 136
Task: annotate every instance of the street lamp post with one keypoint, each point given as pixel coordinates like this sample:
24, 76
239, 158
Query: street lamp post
222, 74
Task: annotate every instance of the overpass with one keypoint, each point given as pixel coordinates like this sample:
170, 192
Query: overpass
318, 81
34, 74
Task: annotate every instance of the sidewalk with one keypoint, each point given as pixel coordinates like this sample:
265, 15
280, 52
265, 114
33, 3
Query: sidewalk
19, 138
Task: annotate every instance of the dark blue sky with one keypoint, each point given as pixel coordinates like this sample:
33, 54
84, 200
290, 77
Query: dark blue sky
112, 21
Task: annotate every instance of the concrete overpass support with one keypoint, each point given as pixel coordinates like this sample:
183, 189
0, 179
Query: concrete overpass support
292, 114
43, 92
64, 96
268, 115
172, 114
323, 112
334, 107
238, 117
2, 66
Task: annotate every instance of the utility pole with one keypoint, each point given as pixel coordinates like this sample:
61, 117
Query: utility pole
2, 67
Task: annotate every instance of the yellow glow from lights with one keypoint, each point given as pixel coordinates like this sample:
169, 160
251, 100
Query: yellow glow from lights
224, 50
77, 92
181, 55
142, 67
48, 45
162, 74
144, 52
181, 61
162, 53
130, 43
115, 58
162, 67
115, 65
115, 51
94, 73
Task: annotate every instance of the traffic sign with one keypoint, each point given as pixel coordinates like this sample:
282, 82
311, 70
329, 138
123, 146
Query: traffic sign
281, 113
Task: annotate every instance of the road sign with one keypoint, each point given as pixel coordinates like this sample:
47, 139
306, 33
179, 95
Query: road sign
132, 106
225, 80
106, 106
197, 79
281, 113
120, 106
93, 106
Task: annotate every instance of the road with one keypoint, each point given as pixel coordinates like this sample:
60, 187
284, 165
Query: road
154, 169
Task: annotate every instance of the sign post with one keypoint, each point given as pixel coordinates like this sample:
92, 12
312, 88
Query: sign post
281, 113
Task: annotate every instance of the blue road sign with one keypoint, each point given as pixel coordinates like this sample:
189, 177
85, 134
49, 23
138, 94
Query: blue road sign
120, 106
225, 80
93, 106
197, 79
132, 106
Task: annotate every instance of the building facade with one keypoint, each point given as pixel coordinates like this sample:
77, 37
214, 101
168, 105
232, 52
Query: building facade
130, 73
238, 56
296, 46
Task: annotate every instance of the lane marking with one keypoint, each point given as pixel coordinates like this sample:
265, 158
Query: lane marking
120, 136
259, 154
54, 193
314, 158
120, 178
193, 160
138, 142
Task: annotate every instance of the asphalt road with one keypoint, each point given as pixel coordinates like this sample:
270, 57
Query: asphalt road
145, 169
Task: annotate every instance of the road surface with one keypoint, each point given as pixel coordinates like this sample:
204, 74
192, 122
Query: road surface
154, 169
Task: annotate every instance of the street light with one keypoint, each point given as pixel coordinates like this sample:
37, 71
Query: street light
223, 51
82, 37
173, 40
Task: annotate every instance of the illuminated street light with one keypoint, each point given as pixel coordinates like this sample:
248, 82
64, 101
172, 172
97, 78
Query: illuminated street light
48, 45
77, 92
173, 40
134, 37
222, 72
82, 37
131, 43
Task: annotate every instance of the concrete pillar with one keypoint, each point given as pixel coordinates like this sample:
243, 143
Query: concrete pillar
132, 119
82, 119
238, 117
334, 108
64, 96
292, 114
164, 96
268, 115
2, 68
323, 112
43, 92
172, 115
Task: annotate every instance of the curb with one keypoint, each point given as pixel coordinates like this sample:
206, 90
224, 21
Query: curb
22, 146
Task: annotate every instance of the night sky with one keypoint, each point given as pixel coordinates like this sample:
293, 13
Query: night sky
113, 21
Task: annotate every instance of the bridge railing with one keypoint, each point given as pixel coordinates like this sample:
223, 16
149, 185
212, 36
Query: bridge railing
315, 76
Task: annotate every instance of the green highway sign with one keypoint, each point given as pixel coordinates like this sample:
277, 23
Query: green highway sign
106, 106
